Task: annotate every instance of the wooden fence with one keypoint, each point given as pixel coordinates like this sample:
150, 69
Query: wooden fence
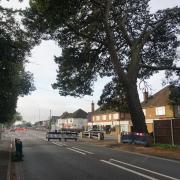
167, 131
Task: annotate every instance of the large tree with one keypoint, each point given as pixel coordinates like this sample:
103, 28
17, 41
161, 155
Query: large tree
15, 46
119, 38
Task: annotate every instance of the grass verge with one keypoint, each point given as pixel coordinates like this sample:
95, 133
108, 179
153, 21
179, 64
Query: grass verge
167, 147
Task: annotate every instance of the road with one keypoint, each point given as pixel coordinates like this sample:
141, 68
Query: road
72, 160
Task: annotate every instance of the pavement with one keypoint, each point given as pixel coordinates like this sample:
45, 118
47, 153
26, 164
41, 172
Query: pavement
5, 148
6, 165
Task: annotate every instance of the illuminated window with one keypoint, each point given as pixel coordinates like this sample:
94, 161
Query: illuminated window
110, 117
116, 116
104, 117
160, 111
97, 118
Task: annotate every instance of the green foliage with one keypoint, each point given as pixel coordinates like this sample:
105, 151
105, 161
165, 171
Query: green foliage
80, 29
167, 147
15, 46
113, 97
174, 96
17, 117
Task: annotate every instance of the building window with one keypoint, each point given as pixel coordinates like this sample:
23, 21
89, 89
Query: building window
104, 117
116, 116
160, 111
93, 118
110, 117
97, 118
144, 111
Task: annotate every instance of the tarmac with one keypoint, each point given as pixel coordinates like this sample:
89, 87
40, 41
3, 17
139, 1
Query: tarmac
171, 154
7, 168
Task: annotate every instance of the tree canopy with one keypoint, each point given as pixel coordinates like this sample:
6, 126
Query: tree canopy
113, 97
119, 38
15, 46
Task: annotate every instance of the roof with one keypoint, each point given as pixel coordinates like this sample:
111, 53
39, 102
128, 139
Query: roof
77, 114
66, 115
103, 111
160, 98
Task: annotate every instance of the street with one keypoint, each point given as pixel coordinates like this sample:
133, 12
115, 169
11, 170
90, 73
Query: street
72, 160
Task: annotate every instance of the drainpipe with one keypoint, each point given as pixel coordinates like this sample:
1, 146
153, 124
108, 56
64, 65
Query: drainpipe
119, 133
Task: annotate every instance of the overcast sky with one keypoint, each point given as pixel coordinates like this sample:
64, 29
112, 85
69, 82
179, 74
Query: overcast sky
37, 106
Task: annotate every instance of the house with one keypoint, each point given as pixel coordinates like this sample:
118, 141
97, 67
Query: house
75, 120
163, 105
108, 119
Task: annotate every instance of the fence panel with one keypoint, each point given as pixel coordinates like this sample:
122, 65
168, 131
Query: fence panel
176, 131
162, 131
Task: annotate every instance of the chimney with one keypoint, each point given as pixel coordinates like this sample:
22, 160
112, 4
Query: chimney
145, 94
92, 107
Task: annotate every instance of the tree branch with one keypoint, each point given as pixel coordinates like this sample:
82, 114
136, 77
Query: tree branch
121, 24
75, 30
170, 14
111, 45
160, 68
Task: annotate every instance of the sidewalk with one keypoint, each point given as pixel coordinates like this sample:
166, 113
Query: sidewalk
5, 158
153, 151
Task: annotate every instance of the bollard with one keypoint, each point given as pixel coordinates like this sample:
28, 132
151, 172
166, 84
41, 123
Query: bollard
81, 135
119, 138
99, 136
89, 135
18, 145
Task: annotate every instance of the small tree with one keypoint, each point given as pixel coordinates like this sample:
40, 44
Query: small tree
119, 38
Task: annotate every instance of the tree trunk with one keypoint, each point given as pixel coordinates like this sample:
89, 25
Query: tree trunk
137, 115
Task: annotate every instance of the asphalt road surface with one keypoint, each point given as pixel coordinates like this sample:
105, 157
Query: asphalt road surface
72, 160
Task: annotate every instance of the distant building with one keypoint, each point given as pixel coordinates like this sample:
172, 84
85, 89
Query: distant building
111, 119
75, 120
108, 119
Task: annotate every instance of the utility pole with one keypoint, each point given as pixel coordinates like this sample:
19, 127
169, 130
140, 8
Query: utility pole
50, 120
39, 115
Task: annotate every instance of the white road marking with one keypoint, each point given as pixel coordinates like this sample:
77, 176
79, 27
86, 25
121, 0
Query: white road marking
83, 150
76, 151
147, 155
147, 170
129, 170
63, 144
57, 144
